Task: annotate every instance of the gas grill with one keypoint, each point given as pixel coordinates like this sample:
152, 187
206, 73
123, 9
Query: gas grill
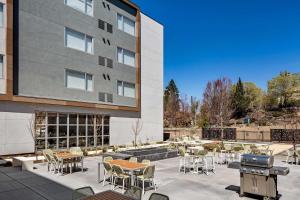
258, 175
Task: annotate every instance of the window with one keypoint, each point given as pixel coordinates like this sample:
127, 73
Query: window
109, 63
101, 61
126, 57
105, 97
79, 41
125, 24
1, 15
126, 89
109, 28
64, 130
1, 67
85, 6
101, 24
79, 80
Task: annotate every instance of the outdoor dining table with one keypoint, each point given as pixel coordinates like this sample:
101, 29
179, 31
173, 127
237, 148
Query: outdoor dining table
109, 195
128, 166
63, 156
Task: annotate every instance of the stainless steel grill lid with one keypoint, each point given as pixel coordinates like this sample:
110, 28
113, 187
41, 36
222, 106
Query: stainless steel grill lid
257, 160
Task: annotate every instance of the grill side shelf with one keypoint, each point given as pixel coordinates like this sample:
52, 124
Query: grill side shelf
234, 165
283, 171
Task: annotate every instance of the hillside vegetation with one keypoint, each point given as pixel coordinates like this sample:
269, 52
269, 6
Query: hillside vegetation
225, 103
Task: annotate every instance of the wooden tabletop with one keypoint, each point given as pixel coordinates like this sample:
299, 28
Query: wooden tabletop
67, 155
124, 164
109, 195
196, 148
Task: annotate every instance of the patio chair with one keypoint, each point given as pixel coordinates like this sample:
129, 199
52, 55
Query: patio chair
108, 172
290, 156
133, 159
108, 158
118, 173
185, 161
134, 192
200, 161
48, 155
157, 196
79, 152
147, 176
146, 162
82, 193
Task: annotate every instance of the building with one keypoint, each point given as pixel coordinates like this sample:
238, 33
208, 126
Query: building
78, 73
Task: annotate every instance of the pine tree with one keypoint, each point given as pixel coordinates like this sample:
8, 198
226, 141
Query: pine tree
171, 102
239, 101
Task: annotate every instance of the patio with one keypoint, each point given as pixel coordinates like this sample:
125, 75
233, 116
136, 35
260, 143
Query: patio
222, 185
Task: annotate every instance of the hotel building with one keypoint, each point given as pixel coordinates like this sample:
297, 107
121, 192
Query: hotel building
78, 73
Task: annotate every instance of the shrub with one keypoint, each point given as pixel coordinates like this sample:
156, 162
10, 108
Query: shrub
104, 149
212, 146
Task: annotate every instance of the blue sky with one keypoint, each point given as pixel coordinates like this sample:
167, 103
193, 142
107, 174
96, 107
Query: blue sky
208, 39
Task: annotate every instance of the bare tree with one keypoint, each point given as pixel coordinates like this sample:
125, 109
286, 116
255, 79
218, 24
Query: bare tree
216, 102
136, 129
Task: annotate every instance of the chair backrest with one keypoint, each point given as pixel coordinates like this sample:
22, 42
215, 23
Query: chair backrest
134, 192
107, 167
133, 159
201, 153
48, 153
182, 152
76, 151
228, 147
157, 196
117, 169
82, 193
146, 162
149, 172
108, 158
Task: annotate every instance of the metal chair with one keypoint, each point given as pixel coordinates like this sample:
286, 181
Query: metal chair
146, 162
108, 158
157, 196
291, 156
118, 173
48, 155
133, 159
108, 172
82, 193
134, 192
148, 175
79, 152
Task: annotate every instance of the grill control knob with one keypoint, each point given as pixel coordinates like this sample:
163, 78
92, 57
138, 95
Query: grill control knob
262, 172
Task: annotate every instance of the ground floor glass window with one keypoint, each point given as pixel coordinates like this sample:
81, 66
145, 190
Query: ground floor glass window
65, 130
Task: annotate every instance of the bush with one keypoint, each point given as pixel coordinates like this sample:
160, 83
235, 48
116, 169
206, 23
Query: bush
115, 148
212, 146
104, 149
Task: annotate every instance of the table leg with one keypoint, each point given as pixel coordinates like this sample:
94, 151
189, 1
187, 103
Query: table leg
62, 167
132, 178
82, 164
99, 165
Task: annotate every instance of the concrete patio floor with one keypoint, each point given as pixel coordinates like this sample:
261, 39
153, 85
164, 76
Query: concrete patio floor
224, 184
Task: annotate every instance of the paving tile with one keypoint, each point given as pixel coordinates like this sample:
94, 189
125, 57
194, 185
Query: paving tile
20, 194
4, 178
10, 185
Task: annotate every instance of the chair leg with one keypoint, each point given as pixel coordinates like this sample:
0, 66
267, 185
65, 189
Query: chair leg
154, 185
112, 183
104, 178
143, 186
